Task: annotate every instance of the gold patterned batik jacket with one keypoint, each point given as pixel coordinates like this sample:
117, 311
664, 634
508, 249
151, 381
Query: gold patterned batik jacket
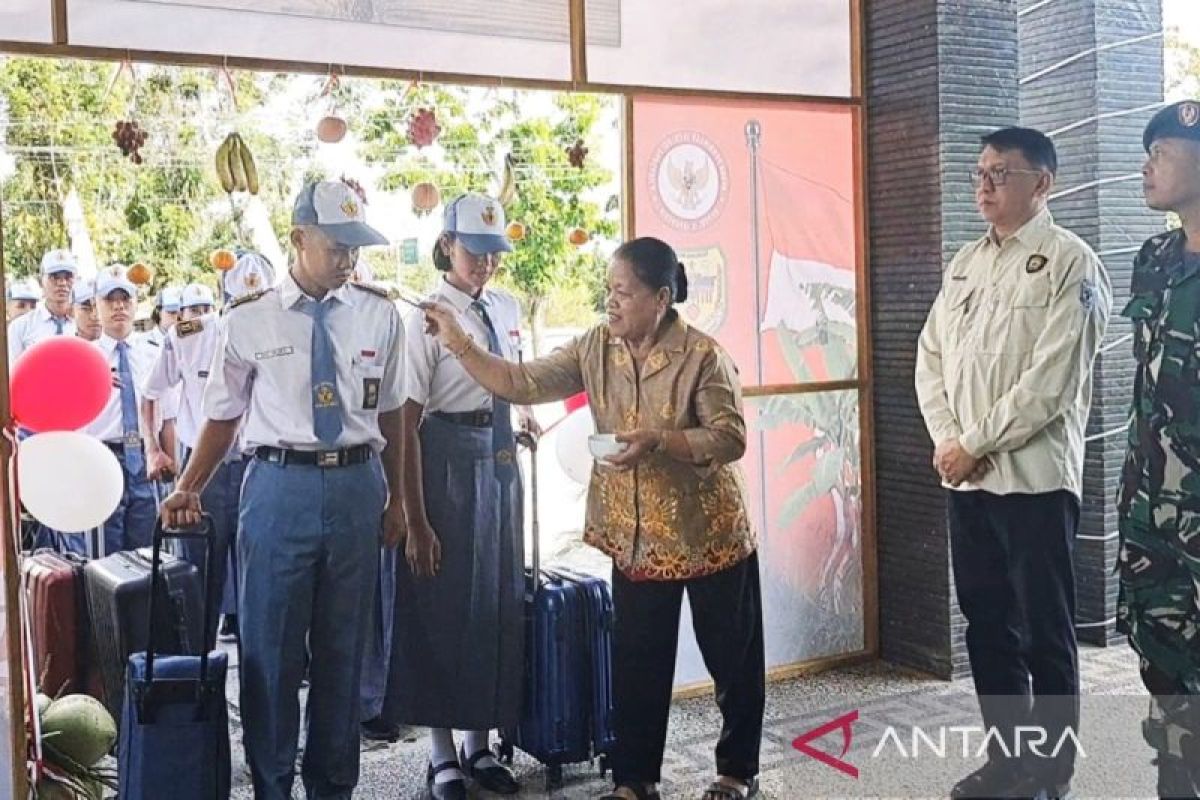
664, 519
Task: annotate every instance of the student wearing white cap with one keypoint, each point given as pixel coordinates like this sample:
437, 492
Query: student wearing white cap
52, 317
252, 272
165, 314
458, 646
131, 357
22, 297
87, 316
181, 369
312, 369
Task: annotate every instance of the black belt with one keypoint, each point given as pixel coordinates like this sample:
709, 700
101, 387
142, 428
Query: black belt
359, 454
473, 419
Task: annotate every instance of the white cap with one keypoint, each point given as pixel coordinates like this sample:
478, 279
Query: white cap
196, 294
168, 298
252, 273
24, 289
112, 278
338, 211
478, 222
59, 261
83, 291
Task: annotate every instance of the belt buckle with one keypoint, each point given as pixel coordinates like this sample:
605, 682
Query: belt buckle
329, 458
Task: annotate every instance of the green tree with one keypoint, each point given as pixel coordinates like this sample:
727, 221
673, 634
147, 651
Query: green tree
479, 128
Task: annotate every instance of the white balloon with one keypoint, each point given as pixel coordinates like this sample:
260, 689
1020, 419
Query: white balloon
69, 481
572, 445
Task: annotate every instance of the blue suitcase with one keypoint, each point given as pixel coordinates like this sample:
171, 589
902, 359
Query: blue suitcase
174, 741
567, 717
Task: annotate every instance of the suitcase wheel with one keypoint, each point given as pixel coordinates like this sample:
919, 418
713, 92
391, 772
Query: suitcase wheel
554, 777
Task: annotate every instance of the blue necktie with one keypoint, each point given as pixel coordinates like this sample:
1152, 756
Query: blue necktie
131, 436
502, 433
59, 322
327, 413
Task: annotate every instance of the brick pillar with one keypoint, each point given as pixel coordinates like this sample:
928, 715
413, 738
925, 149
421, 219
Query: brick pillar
940, 74
1091, 73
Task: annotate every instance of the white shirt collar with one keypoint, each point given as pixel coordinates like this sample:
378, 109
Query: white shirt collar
109, 345
291, 293
459, 299
43, 313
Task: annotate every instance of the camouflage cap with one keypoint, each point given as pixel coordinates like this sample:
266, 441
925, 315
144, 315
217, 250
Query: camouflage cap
1176, 121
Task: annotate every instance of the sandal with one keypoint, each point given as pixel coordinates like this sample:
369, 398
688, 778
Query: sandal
726, 791
639, 791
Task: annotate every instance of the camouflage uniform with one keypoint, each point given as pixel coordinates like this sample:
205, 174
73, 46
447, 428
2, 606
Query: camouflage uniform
1159, 502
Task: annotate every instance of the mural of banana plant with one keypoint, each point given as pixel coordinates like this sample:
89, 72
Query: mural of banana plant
834, 448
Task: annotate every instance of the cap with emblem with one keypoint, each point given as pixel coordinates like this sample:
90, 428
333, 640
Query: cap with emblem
1176, 121
196, 294
478, 222
338, 211
59, 261
252, 273
83, 291
168, 299
24, 289
112, 278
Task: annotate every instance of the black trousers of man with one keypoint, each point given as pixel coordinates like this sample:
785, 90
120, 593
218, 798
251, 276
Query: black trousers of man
1013, 571
727, 618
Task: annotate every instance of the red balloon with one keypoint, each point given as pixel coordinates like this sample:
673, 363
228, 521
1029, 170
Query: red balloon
60, 384
576, 402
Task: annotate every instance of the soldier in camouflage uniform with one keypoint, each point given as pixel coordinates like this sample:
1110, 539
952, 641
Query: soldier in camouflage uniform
1159, 503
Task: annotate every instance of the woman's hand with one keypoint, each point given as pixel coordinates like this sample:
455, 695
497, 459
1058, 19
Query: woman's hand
641, 444
423, 550
441, 321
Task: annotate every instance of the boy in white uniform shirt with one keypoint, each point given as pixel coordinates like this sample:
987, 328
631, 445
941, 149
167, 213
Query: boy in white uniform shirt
23, 297
51, 317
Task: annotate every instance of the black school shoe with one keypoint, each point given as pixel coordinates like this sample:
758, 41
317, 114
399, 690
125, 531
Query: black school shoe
498, 778
995, 779
379, 731
449, 790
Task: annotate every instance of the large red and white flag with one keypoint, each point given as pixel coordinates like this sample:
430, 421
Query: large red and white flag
812, 246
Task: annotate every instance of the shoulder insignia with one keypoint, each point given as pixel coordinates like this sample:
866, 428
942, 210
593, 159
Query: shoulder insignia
246, 298
375, 290
188, 328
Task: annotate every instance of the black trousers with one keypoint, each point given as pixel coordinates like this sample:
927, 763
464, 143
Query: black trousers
727, 618
1013, 570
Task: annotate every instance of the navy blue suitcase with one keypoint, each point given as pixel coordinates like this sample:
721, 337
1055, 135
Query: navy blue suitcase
567, 717
174, 741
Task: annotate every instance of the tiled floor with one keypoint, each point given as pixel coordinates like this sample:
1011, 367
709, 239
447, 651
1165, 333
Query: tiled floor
881, 695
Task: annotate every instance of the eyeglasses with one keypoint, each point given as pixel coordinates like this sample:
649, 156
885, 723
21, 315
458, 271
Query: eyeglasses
998, 176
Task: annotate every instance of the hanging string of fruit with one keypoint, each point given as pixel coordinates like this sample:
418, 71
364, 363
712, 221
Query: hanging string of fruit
127, 134
332, 127
423, 127
235, 166
577, 154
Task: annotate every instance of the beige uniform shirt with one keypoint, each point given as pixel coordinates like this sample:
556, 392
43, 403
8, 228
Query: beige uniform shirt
1004, 361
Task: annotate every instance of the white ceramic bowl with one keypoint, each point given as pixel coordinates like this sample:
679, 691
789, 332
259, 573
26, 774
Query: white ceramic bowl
605, 445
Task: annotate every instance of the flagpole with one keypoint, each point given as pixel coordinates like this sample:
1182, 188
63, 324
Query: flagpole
753, 141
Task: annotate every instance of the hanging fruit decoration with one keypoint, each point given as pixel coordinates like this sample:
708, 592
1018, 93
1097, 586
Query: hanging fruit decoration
508, 185
578, 237
516, 231
235, 166
331, 129
425, 197
577, 153
423, 127
223, 260
140, 274
129, 138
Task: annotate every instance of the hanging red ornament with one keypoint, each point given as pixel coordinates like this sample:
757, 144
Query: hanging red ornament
423, 127
577, 154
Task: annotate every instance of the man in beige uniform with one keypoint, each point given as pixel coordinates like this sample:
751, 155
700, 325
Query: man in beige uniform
1004, 381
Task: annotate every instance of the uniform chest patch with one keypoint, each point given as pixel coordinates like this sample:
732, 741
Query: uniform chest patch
188, 328
1035, 264
262, 355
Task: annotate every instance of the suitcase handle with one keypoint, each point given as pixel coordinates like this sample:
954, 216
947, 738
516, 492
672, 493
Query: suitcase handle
206, 532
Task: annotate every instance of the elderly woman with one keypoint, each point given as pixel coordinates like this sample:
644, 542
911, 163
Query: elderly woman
670, 509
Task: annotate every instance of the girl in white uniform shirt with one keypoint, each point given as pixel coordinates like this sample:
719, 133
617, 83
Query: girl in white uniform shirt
458, 648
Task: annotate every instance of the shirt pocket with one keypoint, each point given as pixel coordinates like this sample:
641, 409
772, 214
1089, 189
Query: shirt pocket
368, 385
959, 304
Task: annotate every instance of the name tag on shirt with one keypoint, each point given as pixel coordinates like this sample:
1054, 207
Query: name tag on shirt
203, 373
276, 353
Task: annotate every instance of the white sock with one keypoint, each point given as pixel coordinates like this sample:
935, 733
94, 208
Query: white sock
441, 750
473, 742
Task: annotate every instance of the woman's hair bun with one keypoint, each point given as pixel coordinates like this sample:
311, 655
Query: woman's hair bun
681, 284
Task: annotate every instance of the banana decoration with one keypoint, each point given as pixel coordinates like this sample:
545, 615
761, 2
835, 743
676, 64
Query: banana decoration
235, 166
508, 188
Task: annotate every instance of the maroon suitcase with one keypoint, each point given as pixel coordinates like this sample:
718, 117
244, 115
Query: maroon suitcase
59, 622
